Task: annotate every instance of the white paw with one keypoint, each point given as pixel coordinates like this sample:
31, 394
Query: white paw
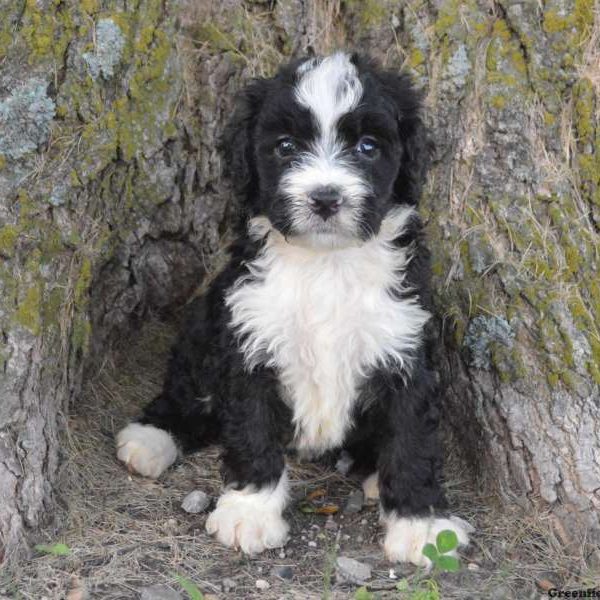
371, 487
406, 537
145, 449
249, 520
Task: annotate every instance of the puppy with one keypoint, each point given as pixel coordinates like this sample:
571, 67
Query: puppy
313, 336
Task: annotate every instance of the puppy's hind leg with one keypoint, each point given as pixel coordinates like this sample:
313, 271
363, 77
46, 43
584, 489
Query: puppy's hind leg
364, 448
370, 487
145, 449
152, 444
181, 418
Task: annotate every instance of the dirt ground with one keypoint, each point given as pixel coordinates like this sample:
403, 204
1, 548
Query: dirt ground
125, 533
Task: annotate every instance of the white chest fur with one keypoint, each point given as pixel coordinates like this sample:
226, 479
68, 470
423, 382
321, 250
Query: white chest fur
324, 318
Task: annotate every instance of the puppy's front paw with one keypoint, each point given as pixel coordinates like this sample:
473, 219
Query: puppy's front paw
370, 487
406, 537
145, 449
250, 521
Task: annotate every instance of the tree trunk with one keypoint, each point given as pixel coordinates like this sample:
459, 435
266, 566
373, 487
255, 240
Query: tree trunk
111, 206
108, 210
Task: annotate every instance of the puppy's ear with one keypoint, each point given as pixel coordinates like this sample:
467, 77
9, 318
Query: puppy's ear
415, 138
237, 141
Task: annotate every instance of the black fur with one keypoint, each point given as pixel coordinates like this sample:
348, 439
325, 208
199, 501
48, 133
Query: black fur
208, 393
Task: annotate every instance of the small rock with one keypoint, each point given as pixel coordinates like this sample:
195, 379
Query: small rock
228, 584
171, 526
473, 567
352, 571
284, 572
195, 502
282, 553
355, 502
545, 584
344, 463
312, 544
159, 592
501, 593
77, 591
262, 584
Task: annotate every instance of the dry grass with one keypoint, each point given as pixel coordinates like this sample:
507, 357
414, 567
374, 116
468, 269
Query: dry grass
126, 532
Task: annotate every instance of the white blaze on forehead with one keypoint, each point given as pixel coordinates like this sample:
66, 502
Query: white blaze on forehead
329, 88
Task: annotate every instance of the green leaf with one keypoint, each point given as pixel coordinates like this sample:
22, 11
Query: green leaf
54, 549
430, 551
306, 508
402, 585
362, 593
424, 595
189, 586
426, 590
446, 541
448, 563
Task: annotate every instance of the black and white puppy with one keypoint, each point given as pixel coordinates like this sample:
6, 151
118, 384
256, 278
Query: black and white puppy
313, 335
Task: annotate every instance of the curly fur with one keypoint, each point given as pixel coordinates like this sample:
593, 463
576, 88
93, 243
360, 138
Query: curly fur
314, 335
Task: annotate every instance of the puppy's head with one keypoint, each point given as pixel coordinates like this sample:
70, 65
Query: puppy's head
327, 147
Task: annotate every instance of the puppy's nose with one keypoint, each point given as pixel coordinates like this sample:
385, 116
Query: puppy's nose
325, 201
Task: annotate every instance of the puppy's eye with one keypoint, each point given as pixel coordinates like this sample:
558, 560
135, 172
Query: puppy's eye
286, 147
367, 146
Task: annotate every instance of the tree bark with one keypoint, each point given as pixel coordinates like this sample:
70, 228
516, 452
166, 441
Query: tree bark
111, 206
103, 213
